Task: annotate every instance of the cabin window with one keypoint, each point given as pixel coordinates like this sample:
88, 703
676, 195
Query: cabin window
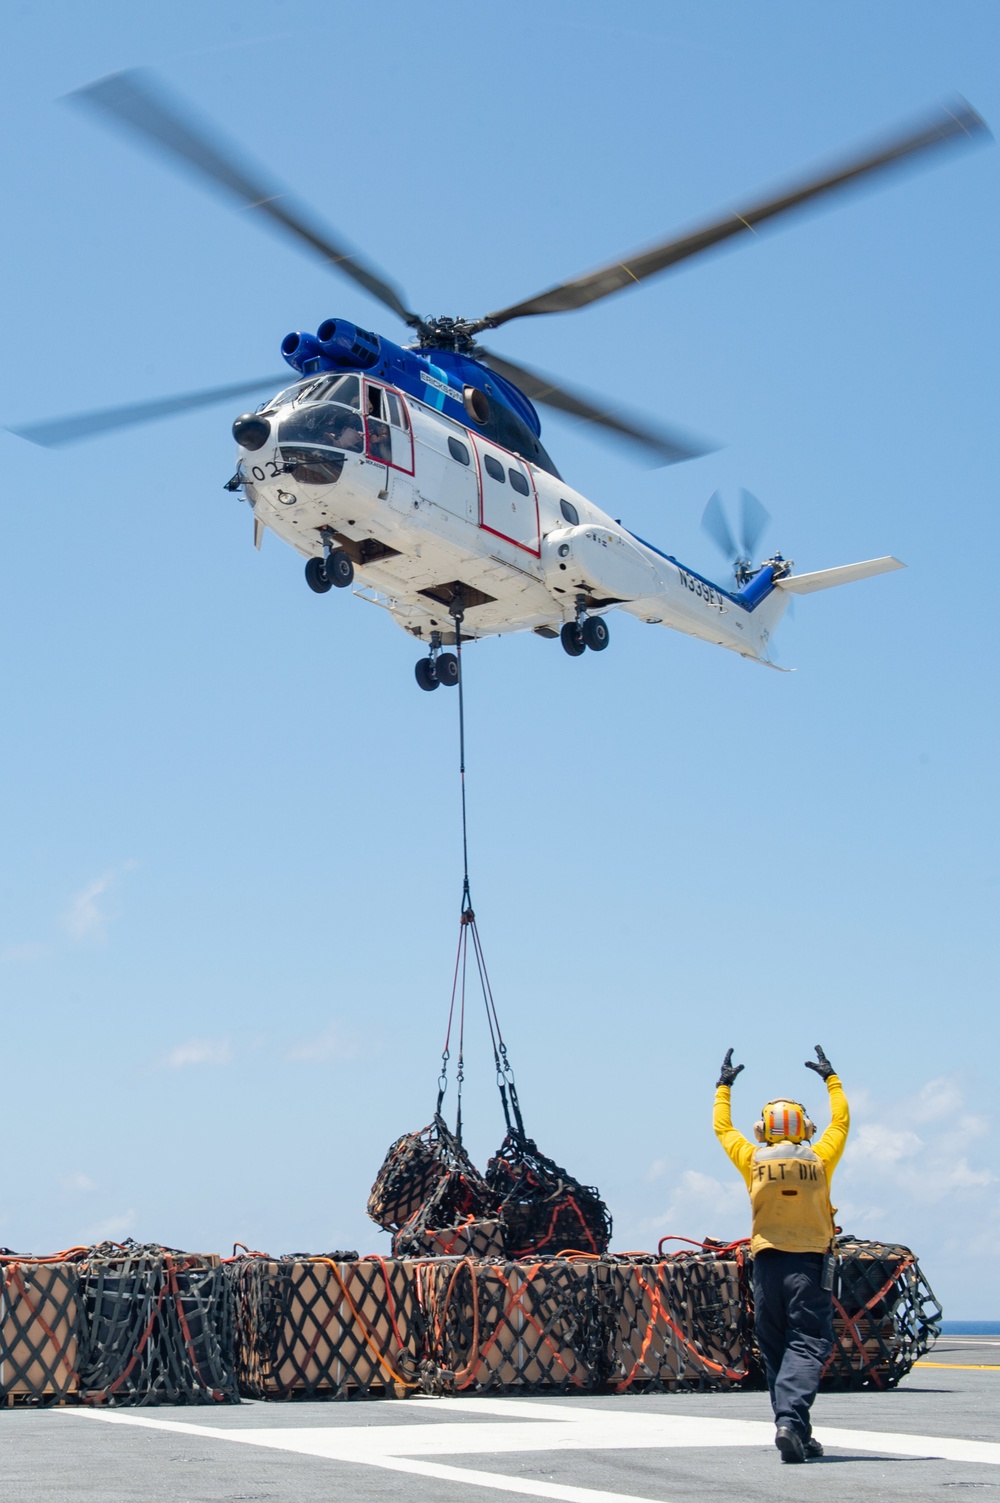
493, 468
458, 451
570, 513
519, 483
375, 401
397, 412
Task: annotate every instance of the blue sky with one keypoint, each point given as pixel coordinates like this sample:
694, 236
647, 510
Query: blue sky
229, 842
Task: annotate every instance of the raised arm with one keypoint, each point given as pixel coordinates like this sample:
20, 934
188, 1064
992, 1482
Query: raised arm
831, 1145
733, 1141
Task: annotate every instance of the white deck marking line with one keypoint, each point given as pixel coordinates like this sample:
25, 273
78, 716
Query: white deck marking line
548, 1429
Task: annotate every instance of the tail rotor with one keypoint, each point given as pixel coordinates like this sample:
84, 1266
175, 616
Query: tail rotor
739, 551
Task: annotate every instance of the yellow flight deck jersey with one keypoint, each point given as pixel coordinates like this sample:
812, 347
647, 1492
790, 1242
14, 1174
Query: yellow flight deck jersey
789, 1183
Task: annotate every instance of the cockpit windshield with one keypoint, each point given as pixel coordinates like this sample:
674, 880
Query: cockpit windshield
342, 388
329, 425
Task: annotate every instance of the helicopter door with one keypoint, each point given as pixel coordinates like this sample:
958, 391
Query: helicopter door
387, 428
509, 504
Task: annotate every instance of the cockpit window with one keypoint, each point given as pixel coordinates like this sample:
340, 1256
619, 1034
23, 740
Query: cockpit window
327, 424
344, 388
570, 513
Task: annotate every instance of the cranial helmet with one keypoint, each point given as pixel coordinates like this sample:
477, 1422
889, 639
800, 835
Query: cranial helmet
783, 1121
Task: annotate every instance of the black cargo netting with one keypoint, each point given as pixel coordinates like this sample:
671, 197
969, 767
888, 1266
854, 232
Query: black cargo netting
427, 1179
526, 1327
156, 1327
885, 1316
325, 1328
543, 1208
39, 1331
680, 1322
471, 1238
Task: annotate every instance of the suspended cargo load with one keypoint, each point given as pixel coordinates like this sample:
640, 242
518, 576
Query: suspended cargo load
544, 1210
427, 1174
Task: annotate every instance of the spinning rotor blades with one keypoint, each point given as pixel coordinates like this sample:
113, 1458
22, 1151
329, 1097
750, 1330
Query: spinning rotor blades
753, 520
130, 99
53, 433
665, 445
956, 124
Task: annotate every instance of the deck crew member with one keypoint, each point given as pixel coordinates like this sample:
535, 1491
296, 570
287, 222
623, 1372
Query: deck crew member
788, 1178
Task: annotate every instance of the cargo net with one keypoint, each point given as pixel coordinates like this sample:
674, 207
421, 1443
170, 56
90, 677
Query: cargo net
885, 1316
512, 1326
156, 1327
544, 1210
39, 1331
427, 1181
679, 1322
332, 1327
118, 1323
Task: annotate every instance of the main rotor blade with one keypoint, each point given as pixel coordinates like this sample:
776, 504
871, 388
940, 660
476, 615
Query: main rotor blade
950, 124
668, 446
53, 433
753, 520
716, 524
132, 99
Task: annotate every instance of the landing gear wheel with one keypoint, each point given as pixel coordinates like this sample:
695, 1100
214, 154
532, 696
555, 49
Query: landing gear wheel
339, 569
425, 673
446, 669
316, 576
571, 638
596, 633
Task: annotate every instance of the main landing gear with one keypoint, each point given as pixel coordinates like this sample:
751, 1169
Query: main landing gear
439, 668
443, 667
336, 569
586, 631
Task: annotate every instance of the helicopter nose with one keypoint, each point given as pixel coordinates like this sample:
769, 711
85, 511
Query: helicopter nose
251, 431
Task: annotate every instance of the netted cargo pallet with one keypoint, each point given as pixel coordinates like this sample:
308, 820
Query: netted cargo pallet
332, 1327
156, 1327
677, 1323
116, 1324
526, 1327
885, 1316
472, 1238
39, 1331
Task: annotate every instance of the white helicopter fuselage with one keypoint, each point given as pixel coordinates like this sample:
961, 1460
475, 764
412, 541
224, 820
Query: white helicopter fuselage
425, 506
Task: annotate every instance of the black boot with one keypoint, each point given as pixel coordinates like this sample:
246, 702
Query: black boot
789, 1444
813, 1448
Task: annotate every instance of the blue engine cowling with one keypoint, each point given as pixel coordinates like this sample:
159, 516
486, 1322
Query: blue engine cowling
336, 345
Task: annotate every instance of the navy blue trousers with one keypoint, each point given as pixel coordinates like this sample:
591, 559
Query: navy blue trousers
793, 1320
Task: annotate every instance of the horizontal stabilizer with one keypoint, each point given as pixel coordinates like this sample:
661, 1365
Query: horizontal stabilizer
825, 579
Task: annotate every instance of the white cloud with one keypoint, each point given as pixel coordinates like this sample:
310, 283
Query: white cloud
702, 1206
89, 914
111, 1229
82, 1184
331, 1044
199, 1052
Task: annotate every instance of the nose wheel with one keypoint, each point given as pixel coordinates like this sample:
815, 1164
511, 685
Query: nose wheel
439, 668
334, 571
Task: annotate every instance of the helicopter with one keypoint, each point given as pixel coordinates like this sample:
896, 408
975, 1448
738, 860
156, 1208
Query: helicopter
415, 473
